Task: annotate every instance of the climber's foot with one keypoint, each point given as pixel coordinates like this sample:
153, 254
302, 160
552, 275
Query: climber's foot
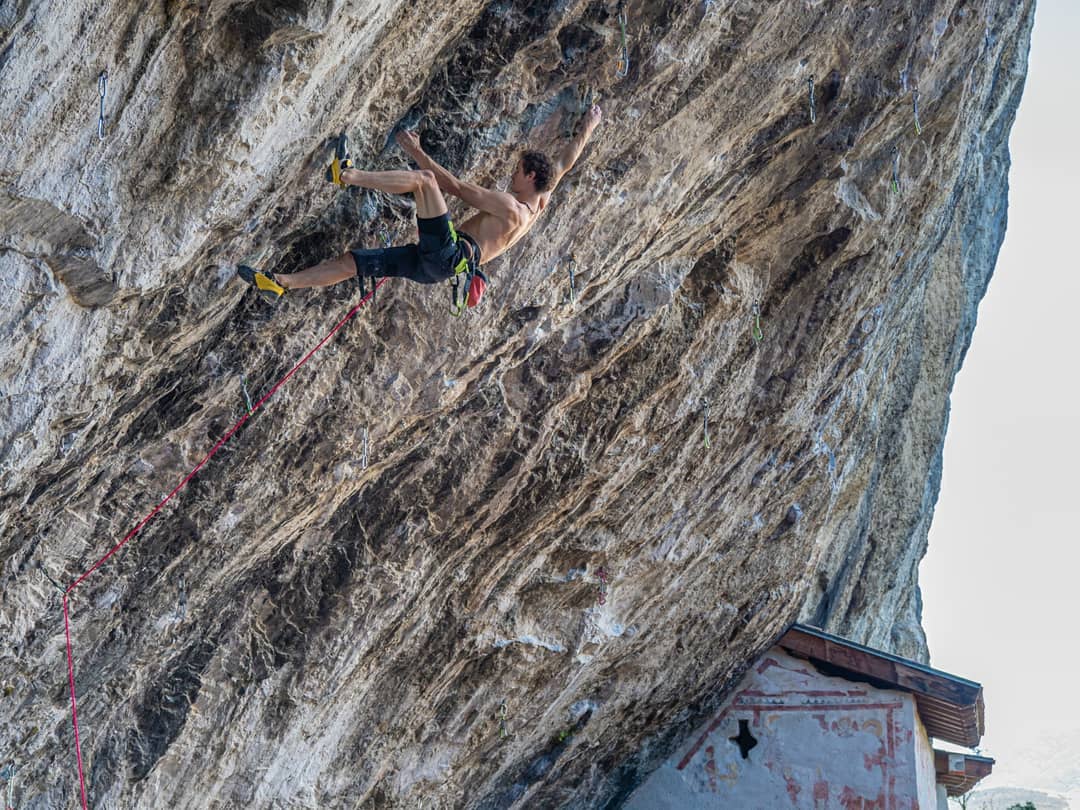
262, 281
340, 163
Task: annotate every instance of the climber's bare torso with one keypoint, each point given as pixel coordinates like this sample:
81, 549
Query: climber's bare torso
497, 234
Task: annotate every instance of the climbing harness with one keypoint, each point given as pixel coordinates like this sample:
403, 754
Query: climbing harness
705, 415
623, 66
571, 268
154, 512
102, 88
896, 169
468, 284
503, 716
247, 396
915, 104
601, 575
756, 312
364, 452
813, 106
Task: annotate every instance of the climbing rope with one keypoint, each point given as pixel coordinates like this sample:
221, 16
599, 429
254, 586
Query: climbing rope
103, 88
896, 169
705, 415
623, 66
503, 716
915, 104
813, 106
756, 313
601, 575
161, 505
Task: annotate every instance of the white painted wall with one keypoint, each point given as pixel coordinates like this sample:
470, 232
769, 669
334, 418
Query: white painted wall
822, 743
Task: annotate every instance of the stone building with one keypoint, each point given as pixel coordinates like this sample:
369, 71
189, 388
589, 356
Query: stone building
820, 722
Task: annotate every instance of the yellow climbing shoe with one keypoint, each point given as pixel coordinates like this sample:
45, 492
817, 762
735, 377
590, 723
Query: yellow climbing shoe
341, 161
263, 283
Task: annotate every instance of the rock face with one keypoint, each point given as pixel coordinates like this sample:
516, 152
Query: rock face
297, 628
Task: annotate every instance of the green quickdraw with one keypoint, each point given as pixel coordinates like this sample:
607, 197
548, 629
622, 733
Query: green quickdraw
247, 396
8, 775
813, 105
915, 105
756, 312
103, 88
52, 581
503, 716
705, 417
896, 169
622, 69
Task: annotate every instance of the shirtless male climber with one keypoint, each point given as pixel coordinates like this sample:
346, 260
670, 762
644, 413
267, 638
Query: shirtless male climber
442, 252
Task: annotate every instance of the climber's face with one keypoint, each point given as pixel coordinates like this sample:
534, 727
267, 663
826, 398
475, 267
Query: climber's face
521, 183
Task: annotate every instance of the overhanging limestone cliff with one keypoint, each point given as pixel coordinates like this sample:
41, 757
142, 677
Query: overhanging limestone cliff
297, 629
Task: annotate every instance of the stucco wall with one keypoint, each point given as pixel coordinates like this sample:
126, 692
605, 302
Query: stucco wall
821, 742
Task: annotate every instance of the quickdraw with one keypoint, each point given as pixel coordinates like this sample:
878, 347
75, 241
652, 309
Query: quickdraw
103, 88
896, 169
602, 576
622, 69
364, 452
52, 581
8, 775
571, 268
756, 312
915, 105
705, 416
813, 106
247, 396
503, 716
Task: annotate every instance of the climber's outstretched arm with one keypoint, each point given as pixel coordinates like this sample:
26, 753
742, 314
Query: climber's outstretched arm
566, 159
494, 202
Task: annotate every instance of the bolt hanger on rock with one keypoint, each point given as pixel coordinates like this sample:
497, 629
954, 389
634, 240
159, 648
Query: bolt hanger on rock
103, 89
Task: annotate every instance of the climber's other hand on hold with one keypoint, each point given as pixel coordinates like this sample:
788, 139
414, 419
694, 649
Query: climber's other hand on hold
409, 142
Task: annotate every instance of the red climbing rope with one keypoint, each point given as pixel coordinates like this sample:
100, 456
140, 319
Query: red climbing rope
158, 508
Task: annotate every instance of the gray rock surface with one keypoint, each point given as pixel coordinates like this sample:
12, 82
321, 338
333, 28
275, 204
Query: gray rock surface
298, 630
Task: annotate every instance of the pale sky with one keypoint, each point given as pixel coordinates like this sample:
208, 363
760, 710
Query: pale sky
1001, 582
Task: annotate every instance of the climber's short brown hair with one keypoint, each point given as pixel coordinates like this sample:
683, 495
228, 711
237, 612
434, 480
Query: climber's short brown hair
538, 165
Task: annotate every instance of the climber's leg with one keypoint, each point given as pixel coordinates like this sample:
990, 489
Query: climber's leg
323, 274
421, 184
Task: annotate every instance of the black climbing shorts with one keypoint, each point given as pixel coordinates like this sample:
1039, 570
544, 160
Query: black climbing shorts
438, 255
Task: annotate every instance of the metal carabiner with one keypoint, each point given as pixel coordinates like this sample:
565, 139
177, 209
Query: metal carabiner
103, 89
